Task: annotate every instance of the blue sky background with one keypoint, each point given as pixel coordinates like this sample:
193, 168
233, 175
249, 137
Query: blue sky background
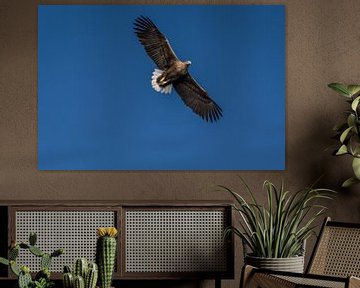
98, 111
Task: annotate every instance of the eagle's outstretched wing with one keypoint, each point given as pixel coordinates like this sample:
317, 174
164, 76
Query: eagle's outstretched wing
155, 43
195, 97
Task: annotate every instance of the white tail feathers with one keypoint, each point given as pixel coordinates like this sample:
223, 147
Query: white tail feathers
155, 85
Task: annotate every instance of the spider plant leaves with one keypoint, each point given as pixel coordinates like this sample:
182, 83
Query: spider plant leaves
279, 228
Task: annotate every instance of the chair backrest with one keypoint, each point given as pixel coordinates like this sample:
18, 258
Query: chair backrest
337, 251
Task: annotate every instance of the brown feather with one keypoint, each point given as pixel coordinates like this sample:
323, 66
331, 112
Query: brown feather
195, 97
155, 43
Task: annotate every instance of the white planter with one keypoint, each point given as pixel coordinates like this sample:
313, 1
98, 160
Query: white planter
291, 264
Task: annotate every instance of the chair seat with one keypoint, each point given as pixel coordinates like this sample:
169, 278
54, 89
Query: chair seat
335, 262
268, 279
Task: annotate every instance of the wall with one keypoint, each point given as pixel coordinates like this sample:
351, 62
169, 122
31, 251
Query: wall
323, 41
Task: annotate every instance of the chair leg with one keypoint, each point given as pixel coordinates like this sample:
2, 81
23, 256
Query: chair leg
246, 274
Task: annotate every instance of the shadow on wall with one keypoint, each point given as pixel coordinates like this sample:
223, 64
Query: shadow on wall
335, 170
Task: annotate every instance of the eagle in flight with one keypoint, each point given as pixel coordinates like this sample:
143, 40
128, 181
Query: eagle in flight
171, 72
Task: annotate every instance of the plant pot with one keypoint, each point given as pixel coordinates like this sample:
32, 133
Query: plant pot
291, 264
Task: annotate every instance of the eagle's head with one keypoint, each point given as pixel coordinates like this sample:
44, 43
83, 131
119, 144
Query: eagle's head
187, 63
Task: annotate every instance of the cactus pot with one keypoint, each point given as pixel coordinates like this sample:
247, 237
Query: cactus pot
291, 264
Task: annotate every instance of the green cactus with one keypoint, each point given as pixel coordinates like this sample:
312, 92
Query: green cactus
45, 261
13, 253
14, 268
91, 276
68, 280
80, 267
36, 251
57, 253
24, 280
24, 245
106, 254
67, 269
4, 261
42, 278
79, 282
87, 272
32, 238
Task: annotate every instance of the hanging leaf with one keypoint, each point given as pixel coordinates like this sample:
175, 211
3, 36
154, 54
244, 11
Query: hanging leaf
356, 167
354, 145
340, 88
342, 150
353, 89
349, 182
355, 103
351, 120
345, 134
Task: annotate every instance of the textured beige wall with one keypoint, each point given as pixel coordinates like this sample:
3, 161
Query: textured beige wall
323, 46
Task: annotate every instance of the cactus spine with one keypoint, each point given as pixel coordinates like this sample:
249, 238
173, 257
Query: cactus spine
24, 277
84, 276
80, 268
91, 276
79, 282
106, 254
68, 280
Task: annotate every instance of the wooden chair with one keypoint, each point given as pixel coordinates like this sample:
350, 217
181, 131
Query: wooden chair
335, 262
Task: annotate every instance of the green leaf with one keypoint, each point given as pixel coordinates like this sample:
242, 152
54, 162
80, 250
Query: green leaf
345, 134
32, 238
354, 145
351, 120
340, 88
342, 150
353, 89
14, 268
355, 103
349, 182
4, 261
356, 167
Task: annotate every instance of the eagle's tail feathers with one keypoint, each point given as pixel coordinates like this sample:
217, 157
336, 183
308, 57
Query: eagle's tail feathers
156, 74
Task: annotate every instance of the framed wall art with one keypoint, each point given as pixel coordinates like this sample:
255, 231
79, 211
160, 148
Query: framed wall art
134, 87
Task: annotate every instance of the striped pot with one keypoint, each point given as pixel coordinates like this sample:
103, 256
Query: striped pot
291, 264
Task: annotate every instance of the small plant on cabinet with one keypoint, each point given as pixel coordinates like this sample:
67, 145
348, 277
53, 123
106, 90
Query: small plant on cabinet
42, 278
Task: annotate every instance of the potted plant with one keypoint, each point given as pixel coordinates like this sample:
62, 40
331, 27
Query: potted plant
275, 233
42, 278
348, 132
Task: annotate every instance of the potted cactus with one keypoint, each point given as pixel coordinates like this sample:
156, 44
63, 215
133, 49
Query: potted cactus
106, 254
42, 278
85, 275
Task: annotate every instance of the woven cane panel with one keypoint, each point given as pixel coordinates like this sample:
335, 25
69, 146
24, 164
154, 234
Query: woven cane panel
175, 241
74, 231
338, 253
306, 282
